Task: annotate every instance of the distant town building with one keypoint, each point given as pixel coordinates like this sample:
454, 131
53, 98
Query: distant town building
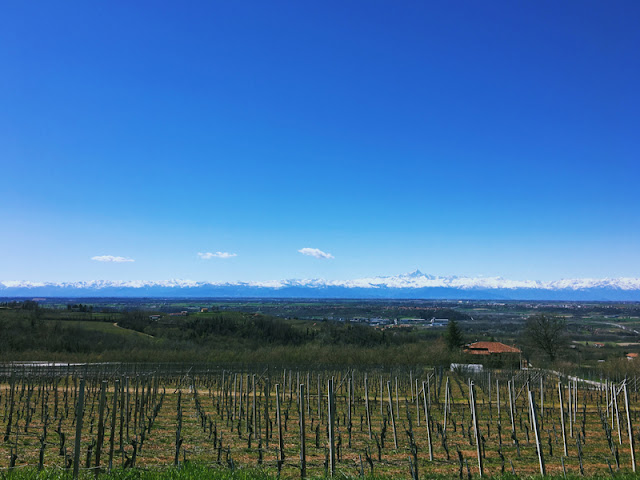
379, 321
439, 322
360, 320
204, 310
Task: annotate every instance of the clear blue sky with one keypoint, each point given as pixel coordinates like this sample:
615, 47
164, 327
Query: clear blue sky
469, 138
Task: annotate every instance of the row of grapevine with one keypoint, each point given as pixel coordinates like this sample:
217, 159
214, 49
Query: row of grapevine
310, 422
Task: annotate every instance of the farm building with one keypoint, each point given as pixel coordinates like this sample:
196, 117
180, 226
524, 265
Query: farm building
489, 348
495, 354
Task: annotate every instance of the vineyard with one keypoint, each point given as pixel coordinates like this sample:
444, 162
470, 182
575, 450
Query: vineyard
298, 423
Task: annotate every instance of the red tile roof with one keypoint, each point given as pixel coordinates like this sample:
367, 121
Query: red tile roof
488, 348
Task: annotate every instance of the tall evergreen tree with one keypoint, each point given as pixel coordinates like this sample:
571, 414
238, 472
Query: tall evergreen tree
453, 335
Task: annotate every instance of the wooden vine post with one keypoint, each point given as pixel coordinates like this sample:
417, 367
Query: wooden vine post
569, 409
319, 401
303, 449
176, 458
417, 404
564, 433
366, 403
103, 392
79, 416
381, 397
330, 420
126, 408
309, 394
446, 402
427, 421
498, 400
233, 412
476, 429
534, 417
541, 401
256, 432
397, 404
393, 422
280, 439
615, 405
629, 427
513, 423
112, 438
267, 393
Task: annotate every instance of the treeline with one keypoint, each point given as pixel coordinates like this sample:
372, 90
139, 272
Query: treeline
261, 329
28, 331
228, 337
20, 305
202, 329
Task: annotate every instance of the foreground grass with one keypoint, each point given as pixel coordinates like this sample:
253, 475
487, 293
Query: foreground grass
198, 471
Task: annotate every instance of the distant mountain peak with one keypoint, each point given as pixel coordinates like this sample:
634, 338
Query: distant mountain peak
415, 273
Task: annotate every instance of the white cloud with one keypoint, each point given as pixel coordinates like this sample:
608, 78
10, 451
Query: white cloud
209, 255
315, 252
111, 258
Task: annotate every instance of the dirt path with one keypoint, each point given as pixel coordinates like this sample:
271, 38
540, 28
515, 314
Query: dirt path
115, 324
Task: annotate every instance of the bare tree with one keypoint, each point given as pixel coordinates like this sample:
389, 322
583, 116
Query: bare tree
546, 334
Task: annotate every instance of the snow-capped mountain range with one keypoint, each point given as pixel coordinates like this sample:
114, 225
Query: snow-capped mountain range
410, 285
